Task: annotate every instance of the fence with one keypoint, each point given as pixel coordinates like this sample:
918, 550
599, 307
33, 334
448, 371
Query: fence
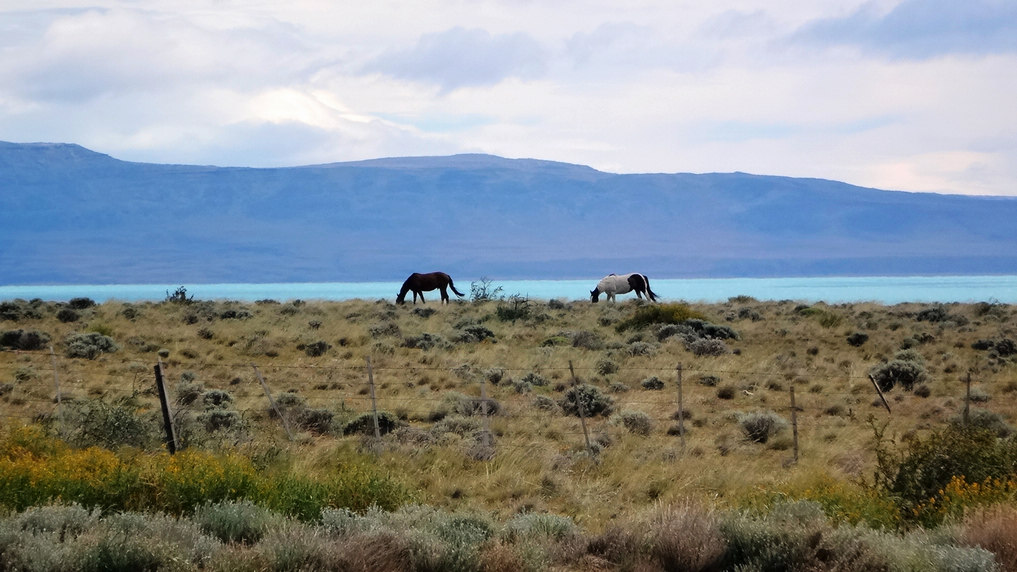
43, 384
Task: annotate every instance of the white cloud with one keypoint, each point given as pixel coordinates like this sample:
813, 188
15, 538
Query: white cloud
905, 94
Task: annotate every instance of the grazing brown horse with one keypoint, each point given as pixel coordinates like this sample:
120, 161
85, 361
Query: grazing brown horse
419, 283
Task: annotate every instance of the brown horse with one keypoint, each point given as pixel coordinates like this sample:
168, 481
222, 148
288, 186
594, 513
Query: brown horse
419, 283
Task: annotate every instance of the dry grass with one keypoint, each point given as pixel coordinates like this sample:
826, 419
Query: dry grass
540, 460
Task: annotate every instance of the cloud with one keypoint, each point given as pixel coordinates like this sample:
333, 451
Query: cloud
81, 55
921, 29
463, 57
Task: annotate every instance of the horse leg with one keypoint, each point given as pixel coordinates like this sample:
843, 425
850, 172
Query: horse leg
444, 295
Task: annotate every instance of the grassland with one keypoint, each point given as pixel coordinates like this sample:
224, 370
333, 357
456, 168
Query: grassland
739, 361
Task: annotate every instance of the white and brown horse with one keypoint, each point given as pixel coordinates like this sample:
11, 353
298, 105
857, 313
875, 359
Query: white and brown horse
420, 283
613, 284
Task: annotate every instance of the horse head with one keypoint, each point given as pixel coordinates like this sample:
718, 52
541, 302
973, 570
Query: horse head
401, 298
595, 295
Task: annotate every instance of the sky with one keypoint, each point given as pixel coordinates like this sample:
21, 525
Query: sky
913, 95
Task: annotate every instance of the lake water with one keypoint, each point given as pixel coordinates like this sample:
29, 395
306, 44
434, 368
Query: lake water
883, 289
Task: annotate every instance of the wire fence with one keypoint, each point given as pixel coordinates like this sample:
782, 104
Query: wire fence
673, 399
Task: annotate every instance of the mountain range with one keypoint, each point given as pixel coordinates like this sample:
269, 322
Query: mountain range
69, 215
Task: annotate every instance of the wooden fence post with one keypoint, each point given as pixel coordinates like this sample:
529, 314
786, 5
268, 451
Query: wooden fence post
167, 418
582, 410
275, 407
483, 408
967, 401
880, 392
794, 423
56, 382
681, 409
374, 399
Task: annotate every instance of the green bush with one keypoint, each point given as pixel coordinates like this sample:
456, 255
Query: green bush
652, 383
364, 424
637, 422
89, 346
924, 467
67, 315
905, 373
593, 401
647, 315
110, 424
235, 521
760, 426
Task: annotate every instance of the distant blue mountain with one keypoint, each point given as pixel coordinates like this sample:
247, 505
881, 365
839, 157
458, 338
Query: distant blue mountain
70, 215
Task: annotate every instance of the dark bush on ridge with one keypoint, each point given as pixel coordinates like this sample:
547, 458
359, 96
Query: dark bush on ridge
25, 340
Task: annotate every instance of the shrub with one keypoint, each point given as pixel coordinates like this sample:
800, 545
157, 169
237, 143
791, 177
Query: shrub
235, 521
857, 339
534, 378
384, 329
89, 345
917, 477
641, 348
606, 367
472, 334
317, 349
110, 425
26, 340
179, 296
709, 380
424, 341
985, 419
515, 308
220, 419
592, 400
760, 426
316, 420
904, 373
545, 403
653, 383
647, 315
636, 422
81, 303
67, 315
216, 399
707, 347
483, 290
587, 340
364, 424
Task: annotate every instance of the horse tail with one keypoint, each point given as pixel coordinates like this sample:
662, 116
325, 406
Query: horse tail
649, 293
453, 287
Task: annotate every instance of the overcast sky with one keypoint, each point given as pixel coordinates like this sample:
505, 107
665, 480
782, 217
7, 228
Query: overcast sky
916, 95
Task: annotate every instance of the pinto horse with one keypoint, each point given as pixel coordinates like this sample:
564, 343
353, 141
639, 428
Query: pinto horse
419, 283
613, 284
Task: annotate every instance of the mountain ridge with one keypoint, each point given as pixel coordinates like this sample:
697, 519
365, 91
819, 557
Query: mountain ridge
73, 215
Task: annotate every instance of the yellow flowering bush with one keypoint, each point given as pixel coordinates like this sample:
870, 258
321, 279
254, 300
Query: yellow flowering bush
36, 470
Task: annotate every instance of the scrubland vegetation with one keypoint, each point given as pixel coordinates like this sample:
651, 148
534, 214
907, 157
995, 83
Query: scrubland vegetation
483, 462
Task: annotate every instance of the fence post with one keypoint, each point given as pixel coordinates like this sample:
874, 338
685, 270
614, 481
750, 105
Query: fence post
56, 382
967, 401
582, 410
275, 407
167, 418
681, 409
374, 399
880, 392
794, 422
483, 409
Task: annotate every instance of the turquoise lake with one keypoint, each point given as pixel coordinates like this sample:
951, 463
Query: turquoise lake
883, 289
